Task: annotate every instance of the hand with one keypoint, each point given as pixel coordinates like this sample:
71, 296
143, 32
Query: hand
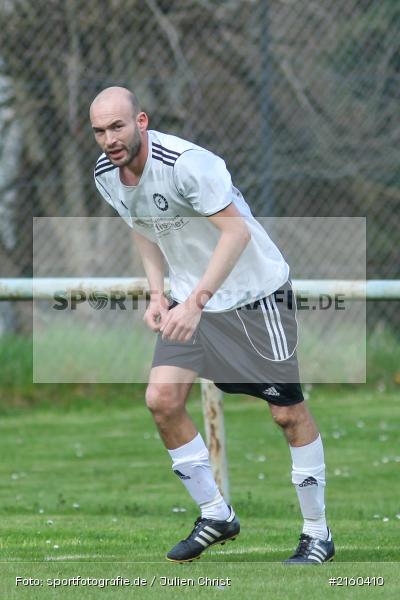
156, 312
181, 322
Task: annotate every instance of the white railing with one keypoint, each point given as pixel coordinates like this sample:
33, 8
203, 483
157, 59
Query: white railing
45, 287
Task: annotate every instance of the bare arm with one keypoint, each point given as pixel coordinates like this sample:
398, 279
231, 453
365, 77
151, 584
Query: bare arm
234, 238
181, 321
153, 262
154, 267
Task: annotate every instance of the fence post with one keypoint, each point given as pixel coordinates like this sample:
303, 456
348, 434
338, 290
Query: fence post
212, 401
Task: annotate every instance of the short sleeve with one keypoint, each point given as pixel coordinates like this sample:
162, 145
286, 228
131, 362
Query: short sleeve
203, 179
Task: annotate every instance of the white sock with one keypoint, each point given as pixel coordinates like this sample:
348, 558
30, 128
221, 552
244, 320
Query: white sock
191, 464
308, 476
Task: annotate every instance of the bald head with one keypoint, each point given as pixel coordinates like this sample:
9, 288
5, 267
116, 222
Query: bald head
118, 97
119, 125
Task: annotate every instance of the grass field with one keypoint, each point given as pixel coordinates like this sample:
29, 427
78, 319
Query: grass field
87, 489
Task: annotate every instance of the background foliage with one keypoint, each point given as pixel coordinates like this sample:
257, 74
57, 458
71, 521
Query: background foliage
300, 98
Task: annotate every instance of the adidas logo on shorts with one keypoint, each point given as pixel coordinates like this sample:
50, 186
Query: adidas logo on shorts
271, 391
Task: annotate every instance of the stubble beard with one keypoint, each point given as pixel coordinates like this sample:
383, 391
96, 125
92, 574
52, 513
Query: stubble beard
132, 149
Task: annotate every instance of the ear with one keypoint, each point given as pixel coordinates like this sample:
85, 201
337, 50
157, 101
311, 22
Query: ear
142, 121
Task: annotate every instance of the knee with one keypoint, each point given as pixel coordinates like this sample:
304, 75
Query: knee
284, 416
163, 401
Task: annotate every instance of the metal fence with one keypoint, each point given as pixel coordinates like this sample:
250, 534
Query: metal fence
301, 99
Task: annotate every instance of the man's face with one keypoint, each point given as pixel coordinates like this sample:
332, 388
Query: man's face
116, 130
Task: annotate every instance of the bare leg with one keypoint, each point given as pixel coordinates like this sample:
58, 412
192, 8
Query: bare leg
166, 397
308, 466
296, 422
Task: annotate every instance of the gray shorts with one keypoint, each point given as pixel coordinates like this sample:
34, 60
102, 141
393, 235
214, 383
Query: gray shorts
249, 350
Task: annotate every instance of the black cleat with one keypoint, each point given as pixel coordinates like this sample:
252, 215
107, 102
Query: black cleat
312, 551
206, 532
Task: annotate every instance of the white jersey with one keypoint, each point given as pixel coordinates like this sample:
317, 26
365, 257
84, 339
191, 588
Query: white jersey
181, 185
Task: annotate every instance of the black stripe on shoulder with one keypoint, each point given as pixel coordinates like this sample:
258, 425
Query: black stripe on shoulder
163, 153
156, 152
102, 159
162, 159
104, 168
166, 150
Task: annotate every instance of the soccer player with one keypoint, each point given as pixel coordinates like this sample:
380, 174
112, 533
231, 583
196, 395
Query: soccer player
230, 317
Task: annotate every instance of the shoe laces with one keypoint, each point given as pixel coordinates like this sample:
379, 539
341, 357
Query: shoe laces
197, 523
303, 548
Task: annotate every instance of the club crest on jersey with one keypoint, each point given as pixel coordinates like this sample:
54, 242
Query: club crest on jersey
160, 201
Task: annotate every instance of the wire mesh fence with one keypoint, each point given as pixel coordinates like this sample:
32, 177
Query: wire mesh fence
300, 98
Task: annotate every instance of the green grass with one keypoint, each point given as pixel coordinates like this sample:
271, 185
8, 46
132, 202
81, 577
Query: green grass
86, 488
92, 484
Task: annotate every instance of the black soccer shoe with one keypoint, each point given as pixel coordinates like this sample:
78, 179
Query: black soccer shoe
205, 533
312, 551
